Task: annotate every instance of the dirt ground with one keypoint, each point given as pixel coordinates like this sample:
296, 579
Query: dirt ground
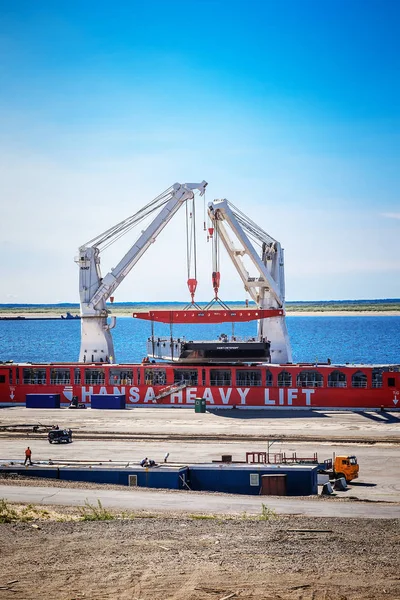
188, 558
169, 556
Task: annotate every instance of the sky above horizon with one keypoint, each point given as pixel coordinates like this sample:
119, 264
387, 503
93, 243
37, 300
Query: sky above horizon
289, 109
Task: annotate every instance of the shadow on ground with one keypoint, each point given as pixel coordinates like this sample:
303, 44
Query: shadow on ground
380, 417
268, 414
362, 484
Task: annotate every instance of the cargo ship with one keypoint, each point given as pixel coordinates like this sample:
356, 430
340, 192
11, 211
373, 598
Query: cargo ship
295, 386
227, 372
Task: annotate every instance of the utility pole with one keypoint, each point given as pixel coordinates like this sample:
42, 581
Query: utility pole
269, 444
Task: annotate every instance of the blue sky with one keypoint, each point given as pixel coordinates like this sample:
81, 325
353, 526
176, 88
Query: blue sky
289, 109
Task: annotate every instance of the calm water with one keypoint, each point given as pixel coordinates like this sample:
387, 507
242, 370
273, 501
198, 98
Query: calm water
342, 339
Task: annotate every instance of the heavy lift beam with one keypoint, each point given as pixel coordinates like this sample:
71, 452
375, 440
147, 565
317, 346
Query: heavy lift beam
96, 340
268, 289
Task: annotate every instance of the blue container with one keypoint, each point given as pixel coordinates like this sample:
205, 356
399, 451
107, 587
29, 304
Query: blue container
108, 401
246, 479
48, 472
42, 400
172, 478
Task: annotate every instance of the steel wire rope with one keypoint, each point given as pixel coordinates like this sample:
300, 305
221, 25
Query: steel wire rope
188, 261
216, 248
191, 248
125, 226
254, 235
130, 227
194, 237
132, 220
128, 224
251, 227
153, 205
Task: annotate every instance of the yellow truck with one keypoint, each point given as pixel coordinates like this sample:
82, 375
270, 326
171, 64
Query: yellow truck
341, 466
336, 467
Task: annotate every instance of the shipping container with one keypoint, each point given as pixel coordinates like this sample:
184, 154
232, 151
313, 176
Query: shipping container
42, 400
301, 480
167, 477
108, 401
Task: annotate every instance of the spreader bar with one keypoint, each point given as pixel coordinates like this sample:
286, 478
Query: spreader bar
208, 316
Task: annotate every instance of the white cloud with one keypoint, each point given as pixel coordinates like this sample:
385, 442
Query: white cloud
391, 215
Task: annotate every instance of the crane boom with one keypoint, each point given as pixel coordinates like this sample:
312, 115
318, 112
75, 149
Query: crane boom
96, 339
268, 289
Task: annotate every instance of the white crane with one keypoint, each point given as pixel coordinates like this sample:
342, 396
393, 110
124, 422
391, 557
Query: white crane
268, 289
96, 340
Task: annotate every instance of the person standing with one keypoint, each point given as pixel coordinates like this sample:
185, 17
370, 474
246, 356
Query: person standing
28, 455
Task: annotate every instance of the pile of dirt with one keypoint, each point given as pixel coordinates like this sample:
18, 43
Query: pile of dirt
201, 558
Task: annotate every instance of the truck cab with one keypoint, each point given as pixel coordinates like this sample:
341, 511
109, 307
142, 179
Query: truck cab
346, 466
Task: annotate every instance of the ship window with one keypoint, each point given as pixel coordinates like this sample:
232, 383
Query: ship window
377, 380
284, 379
120, 377
138, 376
309, 379
34, 376
359, 380
188, 376
155, 376
268, 378
337, 379
77, 376
220, 377
247, 377
94, 376
2, 378
391, 382
60, 376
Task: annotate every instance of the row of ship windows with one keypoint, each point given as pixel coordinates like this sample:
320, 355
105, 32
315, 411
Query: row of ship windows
221, 377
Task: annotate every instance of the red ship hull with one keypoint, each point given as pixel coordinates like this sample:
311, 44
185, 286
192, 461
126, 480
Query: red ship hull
223, 386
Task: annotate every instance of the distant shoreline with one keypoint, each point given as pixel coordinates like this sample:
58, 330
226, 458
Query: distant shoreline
54, 314
384, 307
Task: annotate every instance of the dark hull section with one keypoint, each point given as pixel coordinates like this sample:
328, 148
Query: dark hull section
222, 351
225, 352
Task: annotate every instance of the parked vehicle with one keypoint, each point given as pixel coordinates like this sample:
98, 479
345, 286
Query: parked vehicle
341, 466
59, 436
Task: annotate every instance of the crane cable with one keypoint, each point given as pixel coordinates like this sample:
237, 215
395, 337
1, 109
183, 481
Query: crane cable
216, 276
117, 231
255, 232
191, 249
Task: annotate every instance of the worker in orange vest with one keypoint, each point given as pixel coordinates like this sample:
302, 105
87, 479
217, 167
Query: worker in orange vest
28, 454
